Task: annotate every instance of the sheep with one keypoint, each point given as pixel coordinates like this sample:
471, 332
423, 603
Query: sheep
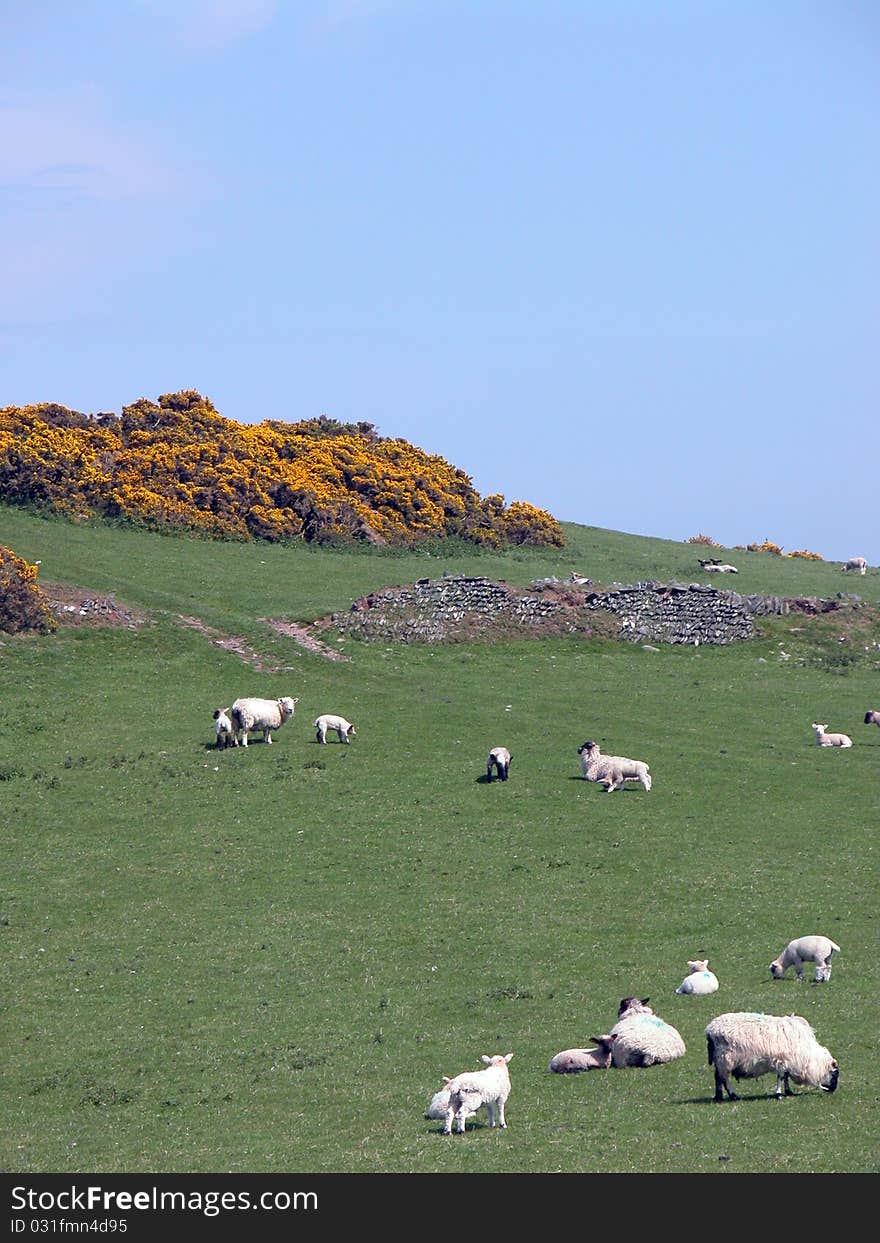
749, 1045
817, 949
263, 714
499, 759
824, 739
611, 770
855, 563
344, 729
641, 1038
473, 1089
701, 980
718, 567
872, 717
223, 728
572, 1061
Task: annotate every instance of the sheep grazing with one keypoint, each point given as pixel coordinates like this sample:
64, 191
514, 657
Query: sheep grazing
262, 714
573, 1061
611, 770
824, 739
700, 981
474, 1089
223, 728
817, 949
872, 718
714, 566
641, 1038
750, 1045
344, 729
499, 759
855, 563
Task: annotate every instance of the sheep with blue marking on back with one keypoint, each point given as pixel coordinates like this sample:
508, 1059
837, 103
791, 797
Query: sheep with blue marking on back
700, 981
641, 1038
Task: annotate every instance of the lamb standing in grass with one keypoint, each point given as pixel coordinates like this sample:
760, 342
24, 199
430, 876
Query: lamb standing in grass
223, 728
824, 739
817, 949
344, 729
572, 1061
643, 1039
499, 759
470, 1091
611, 770
701, 980
263, 714
749, 1045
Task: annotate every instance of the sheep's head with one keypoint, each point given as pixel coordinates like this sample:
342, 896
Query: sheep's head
632, 1005
698, 965
828, 1082
497, 1059
586, 747
287, 706
776, 969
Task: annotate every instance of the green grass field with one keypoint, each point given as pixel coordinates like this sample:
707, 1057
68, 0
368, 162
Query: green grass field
265, 960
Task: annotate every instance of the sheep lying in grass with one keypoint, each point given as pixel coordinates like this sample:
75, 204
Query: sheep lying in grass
223, 728
714, 566
344, 729
572, 1061
855, 563
701, 980
824, 739
611, 770
499, 759
472, 1090
749, 1045
641, 1038
262, 714
872, 718
817, 949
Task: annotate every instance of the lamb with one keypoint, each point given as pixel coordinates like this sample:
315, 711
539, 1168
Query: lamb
817, 949
855, 563
470, 1091
572, 1061
872, 717
344, 729
824, 739
749, 1045
701, 980
641, 1038
499, 759
263, 714
714, 566
223, 728
611, 770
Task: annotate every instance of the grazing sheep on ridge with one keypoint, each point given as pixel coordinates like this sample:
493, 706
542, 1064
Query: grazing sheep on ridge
499, 759
344, 729
872, 718
817, 949
855, 563
470, 1091
643, 1039
611, 770
263, 714
749, 1045
824, 739
572, 1061
701, 980
223, 728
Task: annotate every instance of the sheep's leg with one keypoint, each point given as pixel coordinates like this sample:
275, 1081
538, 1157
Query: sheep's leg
244, 741
501, 1121
782, 1085
722, 1085
267, 735
490, 1111
447, 1129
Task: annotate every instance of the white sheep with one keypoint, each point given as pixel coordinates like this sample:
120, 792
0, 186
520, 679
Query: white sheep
643, 1039
572, 1061
817, 949
223, 728
701, 980
718, 567
749, 1045
855, 563
872, 717
263, 714
344, 729
470, 1091
824, 739
499, 759
611, 770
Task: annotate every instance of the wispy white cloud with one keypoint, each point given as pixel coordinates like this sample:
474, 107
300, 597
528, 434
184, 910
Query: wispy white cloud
209, 25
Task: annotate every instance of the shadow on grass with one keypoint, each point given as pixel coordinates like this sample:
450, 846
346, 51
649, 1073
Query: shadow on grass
740, 1100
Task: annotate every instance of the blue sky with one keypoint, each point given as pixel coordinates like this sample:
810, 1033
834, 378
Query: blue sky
619, 259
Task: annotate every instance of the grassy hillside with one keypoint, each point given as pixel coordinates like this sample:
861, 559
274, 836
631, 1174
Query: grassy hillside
265, 960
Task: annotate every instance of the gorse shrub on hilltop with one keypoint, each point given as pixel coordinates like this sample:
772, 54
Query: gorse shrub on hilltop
179, 465
23, 605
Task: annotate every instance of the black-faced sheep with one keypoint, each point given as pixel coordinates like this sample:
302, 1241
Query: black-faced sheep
749, 1045
643, 1039
611, 770
262, 714
872, 717
499, 759
344, 729
817, 949
223, 728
